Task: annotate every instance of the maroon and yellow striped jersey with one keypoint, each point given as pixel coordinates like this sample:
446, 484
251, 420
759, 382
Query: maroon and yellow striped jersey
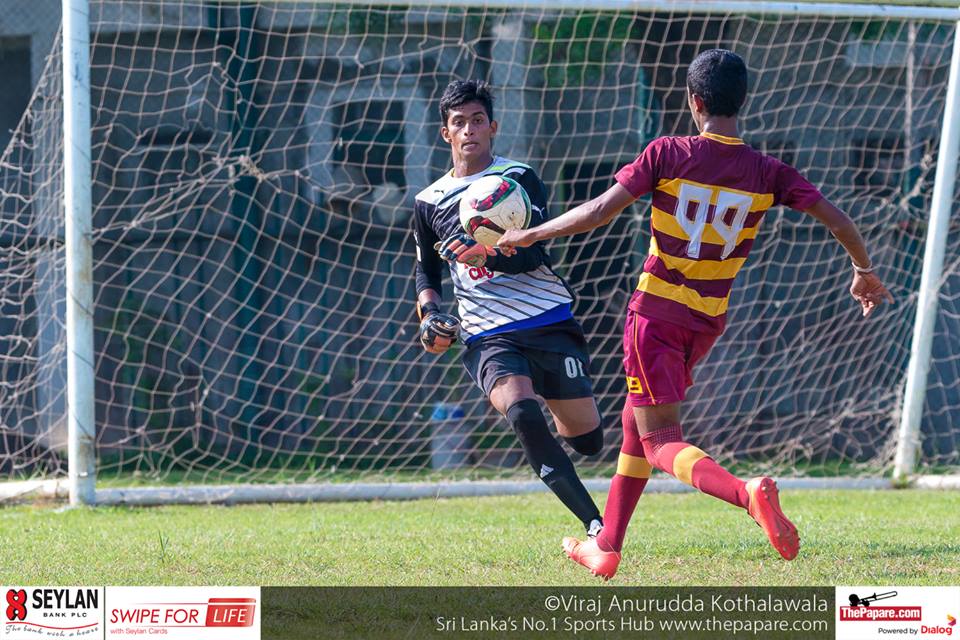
710, 193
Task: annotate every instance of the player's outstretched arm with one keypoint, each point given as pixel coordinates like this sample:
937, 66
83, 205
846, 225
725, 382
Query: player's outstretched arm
867, 289
587, 216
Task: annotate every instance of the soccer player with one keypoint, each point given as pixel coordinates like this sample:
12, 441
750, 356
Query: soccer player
710, 193
521, 337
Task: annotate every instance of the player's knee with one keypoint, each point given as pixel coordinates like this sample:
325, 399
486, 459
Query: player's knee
524, 415
654, 442
587, 444
509, 391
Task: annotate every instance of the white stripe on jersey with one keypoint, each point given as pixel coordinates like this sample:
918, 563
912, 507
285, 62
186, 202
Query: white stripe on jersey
506, 298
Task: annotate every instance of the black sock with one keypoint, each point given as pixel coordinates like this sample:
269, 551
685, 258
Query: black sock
549, 461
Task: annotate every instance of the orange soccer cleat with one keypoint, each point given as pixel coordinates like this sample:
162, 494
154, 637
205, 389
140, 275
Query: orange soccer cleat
765, 509
589, 554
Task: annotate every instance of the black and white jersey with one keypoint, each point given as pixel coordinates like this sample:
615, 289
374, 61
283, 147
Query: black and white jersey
519, 292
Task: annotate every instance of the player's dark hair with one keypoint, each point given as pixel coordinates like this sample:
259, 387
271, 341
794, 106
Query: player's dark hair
719, 77
460, 92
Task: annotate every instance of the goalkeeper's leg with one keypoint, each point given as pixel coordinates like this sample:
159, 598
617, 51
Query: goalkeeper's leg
514, 397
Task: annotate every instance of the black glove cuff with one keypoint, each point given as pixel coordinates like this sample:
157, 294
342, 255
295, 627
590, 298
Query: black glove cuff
424, 310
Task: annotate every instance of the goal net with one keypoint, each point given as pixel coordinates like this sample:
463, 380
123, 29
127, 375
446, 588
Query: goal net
254, 169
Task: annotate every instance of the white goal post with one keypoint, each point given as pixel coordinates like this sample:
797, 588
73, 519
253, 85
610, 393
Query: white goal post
78, 223
229, 301
944, 188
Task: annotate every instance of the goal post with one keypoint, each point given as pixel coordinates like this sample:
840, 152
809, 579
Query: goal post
234, 311
78, 251
941, 210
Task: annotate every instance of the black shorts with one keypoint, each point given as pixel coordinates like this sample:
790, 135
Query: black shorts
554, 357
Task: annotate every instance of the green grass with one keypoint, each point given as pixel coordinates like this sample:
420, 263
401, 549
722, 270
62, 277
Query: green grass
887, 537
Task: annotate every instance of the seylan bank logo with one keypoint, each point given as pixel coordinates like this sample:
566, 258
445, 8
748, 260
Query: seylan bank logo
53, 612
16, 604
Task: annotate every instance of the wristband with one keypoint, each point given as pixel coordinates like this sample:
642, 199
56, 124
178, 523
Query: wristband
858, 269
423, 310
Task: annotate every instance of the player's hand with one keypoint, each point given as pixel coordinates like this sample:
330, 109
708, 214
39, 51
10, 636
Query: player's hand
512, 239
438, 331
462, 248
869, 292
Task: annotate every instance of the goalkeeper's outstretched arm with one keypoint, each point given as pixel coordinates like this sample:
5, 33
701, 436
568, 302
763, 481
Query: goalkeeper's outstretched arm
463, 248
589, 215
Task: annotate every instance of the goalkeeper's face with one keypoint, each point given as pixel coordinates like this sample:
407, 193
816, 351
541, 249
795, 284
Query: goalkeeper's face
470, 132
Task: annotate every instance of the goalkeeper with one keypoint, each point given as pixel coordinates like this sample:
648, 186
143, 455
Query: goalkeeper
515, 318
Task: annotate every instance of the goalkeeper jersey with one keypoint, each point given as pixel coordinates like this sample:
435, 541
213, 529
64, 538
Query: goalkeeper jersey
709, 195
507, 294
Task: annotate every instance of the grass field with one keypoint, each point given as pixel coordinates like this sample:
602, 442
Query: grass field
891, 537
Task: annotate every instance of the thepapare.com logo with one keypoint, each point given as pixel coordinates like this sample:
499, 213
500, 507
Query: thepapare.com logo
864, 609
894, 618
53, 612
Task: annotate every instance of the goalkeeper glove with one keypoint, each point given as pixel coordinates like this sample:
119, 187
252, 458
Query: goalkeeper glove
460, 247
437, 330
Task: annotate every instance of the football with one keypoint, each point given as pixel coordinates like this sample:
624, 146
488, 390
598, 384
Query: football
491, 205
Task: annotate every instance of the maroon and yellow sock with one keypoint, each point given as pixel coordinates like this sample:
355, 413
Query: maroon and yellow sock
667, 451
627, 485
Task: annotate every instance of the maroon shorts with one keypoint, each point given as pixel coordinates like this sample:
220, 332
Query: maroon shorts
659, 357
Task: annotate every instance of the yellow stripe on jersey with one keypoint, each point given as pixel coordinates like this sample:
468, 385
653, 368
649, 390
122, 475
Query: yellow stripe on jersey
720, 138
650, 283
699, 269
633, 466
761, 201
683, 463
666, 223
